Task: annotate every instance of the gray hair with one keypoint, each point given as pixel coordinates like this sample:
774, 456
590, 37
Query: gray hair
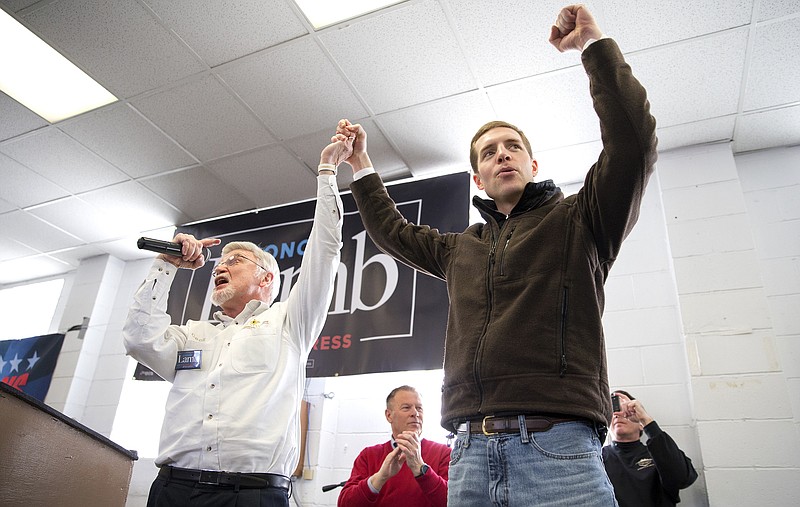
264, 258
397, 390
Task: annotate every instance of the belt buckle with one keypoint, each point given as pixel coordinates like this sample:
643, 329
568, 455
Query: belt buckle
483, 426
209, 477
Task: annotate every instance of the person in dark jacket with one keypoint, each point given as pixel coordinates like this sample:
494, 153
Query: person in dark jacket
525, 376
644, 475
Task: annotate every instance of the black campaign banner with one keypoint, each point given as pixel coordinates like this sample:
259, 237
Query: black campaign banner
28, 364
384, 315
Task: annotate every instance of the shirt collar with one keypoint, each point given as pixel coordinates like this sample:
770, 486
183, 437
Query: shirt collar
250, 309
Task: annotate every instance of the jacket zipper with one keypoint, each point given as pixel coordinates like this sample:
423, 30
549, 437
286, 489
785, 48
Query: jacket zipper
503, 253
564, 305
478, 351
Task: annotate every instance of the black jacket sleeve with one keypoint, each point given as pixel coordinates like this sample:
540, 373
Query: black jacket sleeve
674, 468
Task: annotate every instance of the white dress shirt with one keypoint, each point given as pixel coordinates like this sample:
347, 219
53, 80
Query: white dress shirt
239, 412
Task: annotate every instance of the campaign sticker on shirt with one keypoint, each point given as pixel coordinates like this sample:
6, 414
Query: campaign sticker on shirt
189, 360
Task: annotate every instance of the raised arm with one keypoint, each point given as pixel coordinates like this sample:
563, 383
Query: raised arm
310, 297
418, 246
614, 187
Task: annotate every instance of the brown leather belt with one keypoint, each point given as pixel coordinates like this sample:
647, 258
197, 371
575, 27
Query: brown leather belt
214, 478
492, 425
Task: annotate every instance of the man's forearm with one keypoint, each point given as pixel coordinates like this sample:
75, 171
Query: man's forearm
147, 321
311, 295
360, 161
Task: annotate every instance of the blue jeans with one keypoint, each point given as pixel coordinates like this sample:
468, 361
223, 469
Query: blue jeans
559, 467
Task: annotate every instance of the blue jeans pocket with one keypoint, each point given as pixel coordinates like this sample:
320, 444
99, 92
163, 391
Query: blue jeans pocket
571, 440
458, 449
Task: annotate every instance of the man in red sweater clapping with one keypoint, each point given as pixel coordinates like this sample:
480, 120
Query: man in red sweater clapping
406, 470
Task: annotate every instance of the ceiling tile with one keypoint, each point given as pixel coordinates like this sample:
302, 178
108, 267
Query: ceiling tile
74, 256
508, 39
23, 187
17, 119
19, 270
641, 24
296, 106
94, 225
135, 208
120, 44
695, 80
223, 31
124, 138
10, 249
34, 233
126, 249
198, 193
700, 132
768, 9
413, 57
6, 206
267, 176
204, 118
62, 160
17, 5
442, 145
779, 127
565, 117
775, 65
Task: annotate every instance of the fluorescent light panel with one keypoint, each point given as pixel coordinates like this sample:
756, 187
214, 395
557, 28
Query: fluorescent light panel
322, 13
38, 77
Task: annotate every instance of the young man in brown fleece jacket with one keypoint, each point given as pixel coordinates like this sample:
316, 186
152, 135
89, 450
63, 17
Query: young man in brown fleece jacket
526, 386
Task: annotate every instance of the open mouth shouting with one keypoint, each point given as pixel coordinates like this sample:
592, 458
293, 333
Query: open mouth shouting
221, 281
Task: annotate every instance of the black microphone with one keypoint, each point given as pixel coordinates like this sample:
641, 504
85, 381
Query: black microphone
164, 247
332, 486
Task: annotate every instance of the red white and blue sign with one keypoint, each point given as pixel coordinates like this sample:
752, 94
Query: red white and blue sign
28, 364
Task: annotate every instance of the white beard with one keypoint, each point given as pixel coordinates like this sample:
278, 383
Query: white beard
220, 297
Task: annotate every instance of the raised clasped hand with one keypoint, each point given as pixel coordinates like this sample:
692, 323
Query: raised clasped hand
574, 26
339, 150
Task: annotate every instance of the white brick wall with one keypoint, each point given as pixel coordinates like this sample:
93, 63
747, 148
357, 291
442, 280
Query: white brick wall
751, 397
698, 237
753, 353
733, 240
753, 486
768, 450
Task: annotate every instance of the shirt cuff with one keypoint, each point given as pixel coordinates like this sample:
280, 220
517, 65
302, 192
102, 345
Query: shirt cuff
369, 482
592, 41
327, 167
361, 173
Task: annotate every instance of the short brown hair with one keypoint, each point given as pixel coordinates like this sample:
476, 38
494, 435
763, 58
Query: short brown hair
473, 153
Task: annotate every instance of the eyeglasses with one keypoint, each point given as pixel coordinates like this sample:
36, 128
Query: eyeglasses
232, 261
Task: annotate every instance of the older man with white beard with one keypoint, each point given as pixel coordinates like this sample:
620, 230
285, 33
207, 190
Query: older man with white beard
231, 427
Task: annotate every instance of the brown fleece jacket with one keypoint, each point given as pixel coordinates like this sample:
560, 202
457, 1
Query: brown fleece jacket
524, 330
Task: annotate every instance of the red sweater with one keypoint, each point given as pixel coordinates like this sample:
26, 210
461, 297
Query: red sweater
402, 490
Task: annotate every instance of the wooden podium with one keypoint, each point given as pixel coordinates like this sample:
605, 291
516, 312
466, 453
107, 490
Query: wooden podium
47, 458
